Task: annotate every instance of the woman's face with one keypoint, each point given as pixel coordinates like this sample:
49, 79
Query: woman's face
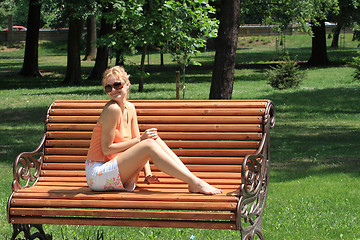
117, 94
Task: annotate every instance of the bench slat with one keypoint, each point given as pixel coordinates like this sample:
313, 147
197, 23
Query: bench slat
171, 144
139, 104
204, 175
166, 112
124, 213
161, 119
201, 112
179, 152
158, 188
123, 204
190, 160
166, 127
46, 192
60, 180
125, 222
193, 168
167, 135
166, 187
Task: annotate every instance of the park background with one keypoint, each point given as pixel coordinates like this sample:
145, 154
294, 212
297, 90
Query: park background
315, 145
314, 181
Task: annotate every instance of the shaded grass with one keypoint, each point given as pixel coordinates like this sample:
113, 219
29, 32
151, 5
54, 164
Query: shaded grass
314, 183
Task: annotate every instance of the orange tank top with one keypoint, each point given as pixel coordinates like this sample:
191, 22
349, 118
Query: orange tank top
122, 133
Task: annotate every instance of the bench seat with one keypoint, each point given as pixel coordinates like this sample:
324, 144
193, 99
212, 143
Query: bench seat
224, 142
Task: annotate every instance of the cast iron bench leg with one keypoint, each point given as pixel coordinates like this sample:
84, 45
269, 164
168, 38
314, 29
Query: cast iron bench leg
18, 228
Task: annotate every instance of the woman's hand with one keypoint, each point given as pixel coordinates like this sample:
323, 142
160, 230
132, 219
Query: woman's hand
150, 133
151, 179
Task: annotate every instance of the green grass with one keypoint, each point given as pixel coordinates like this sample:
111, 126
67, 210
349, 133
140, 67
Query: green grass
315, 145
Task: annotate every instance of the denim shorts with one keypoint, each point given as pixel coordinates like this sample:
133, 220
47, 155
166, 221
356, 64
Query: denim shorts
101, 176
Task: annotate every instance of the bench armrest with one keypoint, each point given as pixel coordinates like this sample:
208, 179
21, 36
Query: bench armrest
27, 167
254, 182
254, 168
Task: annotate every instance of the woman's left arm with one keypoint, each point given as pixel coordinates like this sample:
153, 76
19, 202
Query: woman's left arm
136, 133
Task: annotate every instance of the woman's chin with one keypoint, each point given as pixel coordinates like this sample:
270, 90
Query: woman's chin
116, 97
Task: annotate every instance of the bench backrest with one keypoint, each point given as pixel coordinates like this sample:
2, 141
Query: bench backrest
211, 137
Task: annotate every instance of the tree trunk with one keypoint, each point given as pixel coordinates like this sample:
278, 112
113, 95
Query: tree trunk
73, 70
31, 63
90, 53
319, 52
335, 40
120, 57
162, 57
102, 55
225, 46
142, 69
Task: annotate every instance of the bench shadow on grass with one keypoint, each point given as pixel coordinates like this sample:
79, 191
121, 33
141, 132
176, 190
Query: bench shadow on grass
316, 133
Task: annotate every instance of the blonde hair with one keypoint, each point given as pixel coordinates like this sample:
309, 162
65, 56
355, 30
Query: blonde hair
116, 71
119, 73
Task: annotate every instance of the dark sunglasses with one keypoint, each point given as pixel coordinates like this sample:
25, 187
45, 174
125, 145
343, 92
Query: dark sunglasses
116, 86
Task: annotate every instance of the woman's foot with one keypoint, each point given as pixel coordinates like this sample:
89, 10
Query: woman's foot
204, 188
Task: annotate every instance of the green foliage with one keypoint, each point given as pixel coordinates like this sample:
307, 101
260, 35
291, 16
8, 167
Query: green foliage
184, 26
6, 8
285, 75
279, 13
55, 13
356, 65
17, 8
189, 25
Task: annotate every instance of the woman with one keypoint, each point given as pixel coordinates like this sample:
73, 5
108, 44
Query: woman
118, 152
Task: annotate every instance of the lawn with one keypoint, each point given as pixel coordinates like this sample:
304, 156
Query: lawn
315, 171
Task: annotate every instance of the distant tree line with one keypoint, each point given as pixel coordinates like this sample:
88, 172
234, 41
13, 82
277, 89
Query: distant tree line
183, 26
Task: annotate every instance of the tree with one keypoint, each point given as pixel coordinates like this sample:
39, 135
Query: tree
310, 15
225, 46
140, 25
102, 54
7, 7
348, 14
318, 49
73, 68
18, 9
321, 11
188, 26
77, 12
90, 52
146, 23
30, 64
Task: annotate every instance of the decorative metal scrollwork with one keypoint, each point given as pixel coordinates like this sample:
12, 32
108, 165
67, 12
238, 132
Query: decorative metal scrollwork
27, 167
26, 229
255, 179
270, 115
250, 212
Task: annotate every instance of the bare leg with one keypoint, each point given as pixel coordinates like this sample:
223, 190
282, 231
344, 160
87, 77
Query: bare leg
132, 160
178, 161
171, 153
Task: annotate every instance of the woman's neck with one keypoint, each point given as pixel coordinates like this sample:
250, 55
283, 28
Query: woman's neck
121, 103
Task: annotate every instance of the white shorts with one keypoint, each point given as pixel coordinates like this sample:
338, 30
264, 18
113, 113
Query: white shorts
102, 176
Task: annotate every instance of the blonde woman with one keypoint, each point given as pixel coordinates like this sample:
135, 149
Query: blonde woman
117, 132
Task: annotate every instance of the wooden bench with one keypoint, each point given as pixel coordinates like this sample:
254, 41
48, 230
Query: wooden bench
224, 142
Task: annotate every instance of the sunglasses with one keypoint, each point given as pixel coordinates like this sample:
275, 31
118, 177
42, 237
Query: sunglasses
117, 85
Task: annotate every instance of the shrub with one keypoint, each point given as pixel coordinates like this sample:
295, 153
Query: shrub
285, 75
356, 64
